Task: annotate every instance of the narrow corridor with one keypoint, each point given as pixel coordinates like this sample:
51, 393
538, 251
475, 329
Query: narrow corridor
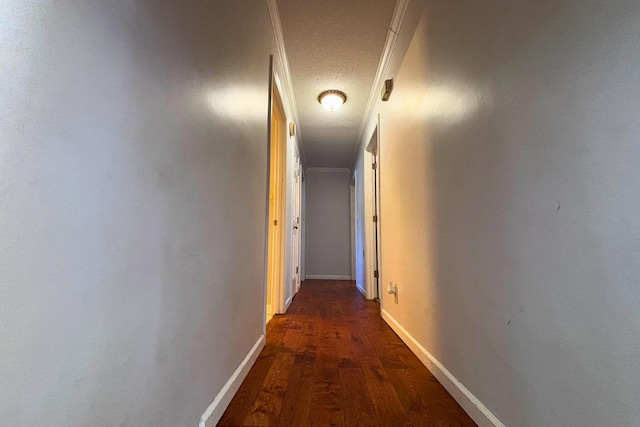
332, 361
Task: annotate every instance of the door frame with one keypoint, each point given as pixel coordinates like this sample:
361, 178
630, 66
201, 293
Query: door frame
276, 202
353, 224
373, 257
296, 220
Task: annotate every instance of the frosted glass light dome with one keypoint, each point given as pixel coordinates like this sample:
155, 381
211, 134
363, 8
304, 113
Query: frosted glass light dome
332, 99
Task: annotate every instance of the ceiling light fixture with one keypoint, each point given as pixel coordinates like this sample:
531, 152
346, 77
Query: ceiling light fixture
332, 99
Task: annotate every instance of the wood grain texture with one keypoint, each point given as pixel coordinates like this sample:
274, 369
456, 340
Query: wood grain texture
332, 361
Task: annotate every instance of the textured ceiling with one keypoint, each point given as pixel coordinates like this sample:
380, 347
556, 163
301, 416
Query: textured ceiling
333, 44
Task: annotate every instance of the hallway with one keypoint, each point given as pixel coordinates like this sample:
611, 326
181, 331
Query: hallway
332, 361
200, 201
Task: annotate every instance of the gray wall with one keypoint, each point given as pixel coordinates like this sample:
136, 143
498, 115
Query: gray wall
132, 202
510, 200
327, 227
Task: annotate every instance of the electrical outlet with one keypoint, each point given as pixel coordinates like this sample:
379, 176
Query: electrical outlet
393, 289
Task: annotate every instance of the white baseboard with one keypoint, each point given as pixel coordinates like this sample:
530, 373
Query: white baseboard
476, 410
288, 303
327, 277
215, 411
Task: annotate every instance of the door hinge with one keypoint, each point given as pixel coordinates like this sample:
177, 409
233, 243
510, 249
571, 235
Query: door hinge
375, 274
297, 270
275, 222
375, 218
374, 166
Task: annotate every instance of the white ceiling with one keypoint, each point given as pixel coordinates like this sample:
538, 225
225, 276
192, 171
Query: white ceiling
333, 44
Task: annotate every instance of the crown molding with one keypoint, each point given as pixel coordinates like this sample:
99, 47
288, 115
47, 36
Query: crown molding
383, 65
286, 82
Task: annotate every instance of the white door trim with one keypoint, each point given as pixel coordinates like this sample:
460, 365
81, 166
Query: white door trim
370, 242
275, 271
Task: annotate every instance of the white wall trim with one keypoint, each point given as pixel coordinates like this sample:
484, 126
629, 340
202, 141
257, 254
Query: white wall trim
288, 302
327, 277
329, 170
383, 65
476, 410
215, 411
369, 229
272, 5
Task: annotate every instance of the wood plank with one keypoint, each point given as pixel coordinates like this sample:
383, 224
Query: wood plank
360, 410
326, 404
425, 401
348, 354
267, 405
310, 336
383, 349
246, 395
364, 348
333, 361
412, 401
389, 410
276, 330
296, 405
291, 338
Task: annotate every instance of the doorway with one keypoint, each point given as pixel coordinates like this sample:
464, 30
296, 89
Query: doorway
354, 226
376, 222
372, 156
296, 237
276, 223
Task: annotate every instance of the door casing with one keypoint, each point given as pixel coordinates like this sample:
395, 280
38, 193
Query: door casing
296, 234
373, 247
277, 204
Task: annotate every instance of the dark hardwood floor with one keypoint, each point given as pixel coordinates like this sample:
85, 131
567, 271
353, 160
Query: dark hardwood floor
332, 361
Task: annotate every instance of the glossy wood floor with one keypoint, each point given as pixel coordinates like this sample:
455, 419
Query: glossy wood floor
332, 361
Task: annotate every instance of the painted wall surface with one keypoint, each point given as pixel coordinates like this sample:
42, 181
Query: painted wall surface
132, 207
327, 227
510, 196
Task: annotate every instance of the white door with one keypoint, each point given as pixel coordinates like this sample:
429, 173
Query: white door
376, 226
296, 232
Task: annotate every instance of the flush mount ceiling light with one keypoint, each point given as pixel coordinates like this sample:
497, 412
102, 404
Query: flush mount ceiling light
332, 99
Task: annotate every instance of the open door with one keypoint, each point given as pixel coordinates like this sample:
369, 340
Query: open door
296, 235
372, 209
354, 225
276, 223
376, 223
